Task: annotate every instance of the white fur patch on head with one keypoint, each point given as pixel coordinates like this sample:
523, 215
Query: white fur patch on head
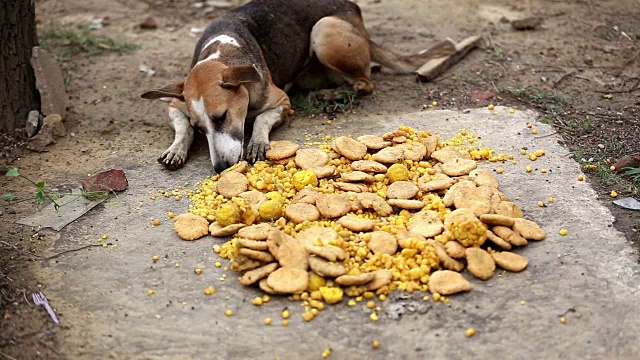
198, 109
223, 39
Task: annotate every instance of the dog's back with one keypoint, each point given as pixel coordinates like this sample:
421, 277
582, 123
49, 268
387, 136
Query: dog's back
280, 28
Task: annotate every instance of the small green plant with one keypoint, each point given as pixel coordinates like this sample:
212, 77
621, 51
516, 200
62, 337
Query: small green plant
42, 193
66, 42
633, 172
329, 101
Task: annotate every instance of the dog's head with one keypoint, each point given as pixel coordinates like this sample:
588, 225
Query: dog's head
217, 99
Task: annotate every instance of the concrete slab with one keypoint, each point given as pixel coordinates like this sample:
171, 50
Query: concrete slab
590, 275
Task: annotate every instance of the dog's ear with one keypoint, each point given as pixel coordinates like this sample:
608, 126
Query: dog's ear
234, 76
173, 90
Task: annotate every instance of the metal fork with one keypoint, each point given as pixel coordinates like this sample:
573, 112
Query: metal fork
40, 299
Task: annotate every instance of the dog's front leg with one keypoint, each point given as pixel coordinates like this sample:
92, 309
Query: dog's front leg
259, 143
176, 155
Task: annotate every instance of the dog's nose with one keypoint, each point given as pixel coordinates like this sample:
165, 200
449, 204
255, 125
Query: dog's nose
220, 166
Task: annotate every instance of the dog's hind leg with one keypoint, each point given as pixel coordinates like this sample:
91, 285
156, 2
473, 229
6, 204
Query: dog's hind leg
176, 155
343, 48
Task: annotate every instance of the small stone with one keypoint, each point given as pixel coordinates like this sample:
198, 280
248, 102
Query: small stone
149, 23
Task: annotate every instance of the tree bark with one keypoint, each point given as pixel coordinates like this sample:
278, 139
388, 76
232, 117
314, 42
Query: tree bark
17, 80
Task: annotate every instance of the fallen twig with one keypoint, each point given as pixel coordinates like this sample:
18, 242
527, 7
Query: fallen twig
566, 75
69, 251
544, 136
18, 250
7, 356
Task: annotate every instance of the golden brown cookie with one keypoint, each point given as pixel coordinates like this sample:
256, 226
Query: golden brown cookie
301, 212
254, 198
311, 158
500, 242
258, 245
288, 281
307, 196
446, 282
373, 142
325, 268
318, 235
431, 143
435, 182
232, 184
510, 261
221, 231
528, 229
507, 208
265, 287
390, 155
282, 149
263, 256
375, 202
495, 219
402, 190
241, 167
330, 253
395, 134
458, 167
255, 275
355, 224
349, 148
346, 186
292, 253
380, 278
190, 227
368, 166
447, 261
407, 204
381, 242
242, 263
333, 205
255, 232
414, 151
480, 263
357, 176
509, 235
324, 171
484, 178
478, 199
455, 249
355, 280
447, 154
426, 224
455, 190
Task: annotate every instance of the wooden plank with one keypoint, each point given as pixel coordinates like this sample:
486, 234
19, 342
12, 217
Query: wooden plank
436, 67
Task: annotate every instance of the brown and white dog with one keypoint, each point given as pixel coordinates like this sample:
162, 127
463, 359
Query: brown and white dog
247, 59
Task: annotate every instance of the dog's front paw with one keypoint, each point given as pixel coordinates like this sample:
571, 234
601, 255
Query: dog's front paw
173, 159
256, 151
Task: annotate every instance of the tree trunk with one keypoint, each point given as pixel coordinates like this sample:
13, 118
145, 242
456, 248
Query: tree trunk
17, 80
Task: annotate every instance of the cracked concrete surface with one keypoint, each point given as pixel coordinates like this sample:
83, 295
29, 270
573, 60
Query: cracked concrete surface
590, 275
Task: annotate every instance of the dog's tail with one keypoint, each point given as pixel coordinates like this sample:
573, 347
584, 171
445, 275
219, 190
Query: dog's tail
407, 64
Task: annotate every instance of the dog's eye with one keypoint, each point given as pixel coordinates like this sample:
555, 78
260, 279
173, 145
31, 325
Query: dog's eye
218, 119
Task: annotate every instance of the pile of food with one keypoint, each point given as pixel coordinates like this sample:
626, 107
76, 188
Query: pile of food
402, 211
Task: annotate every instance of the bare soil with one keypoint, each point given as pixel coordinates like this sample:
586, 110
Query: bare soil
579, 69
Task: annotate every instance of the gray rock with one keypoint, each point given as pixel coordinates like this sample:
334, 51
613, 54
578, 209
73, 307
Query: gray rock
33, 121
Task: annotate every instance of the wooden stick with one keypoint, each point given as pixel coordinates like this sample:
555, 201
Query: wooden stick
436, 67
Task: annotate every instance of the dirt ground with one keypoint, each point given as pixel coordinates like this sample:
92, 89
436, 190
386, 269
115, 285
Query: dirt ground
579, 69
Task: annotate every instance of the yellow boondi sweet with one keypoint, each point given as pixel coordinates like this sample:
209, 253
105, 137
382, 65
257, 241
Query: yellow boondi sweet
331, 295
271, 210
315, 282
228, 214
398, 172
303, 178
